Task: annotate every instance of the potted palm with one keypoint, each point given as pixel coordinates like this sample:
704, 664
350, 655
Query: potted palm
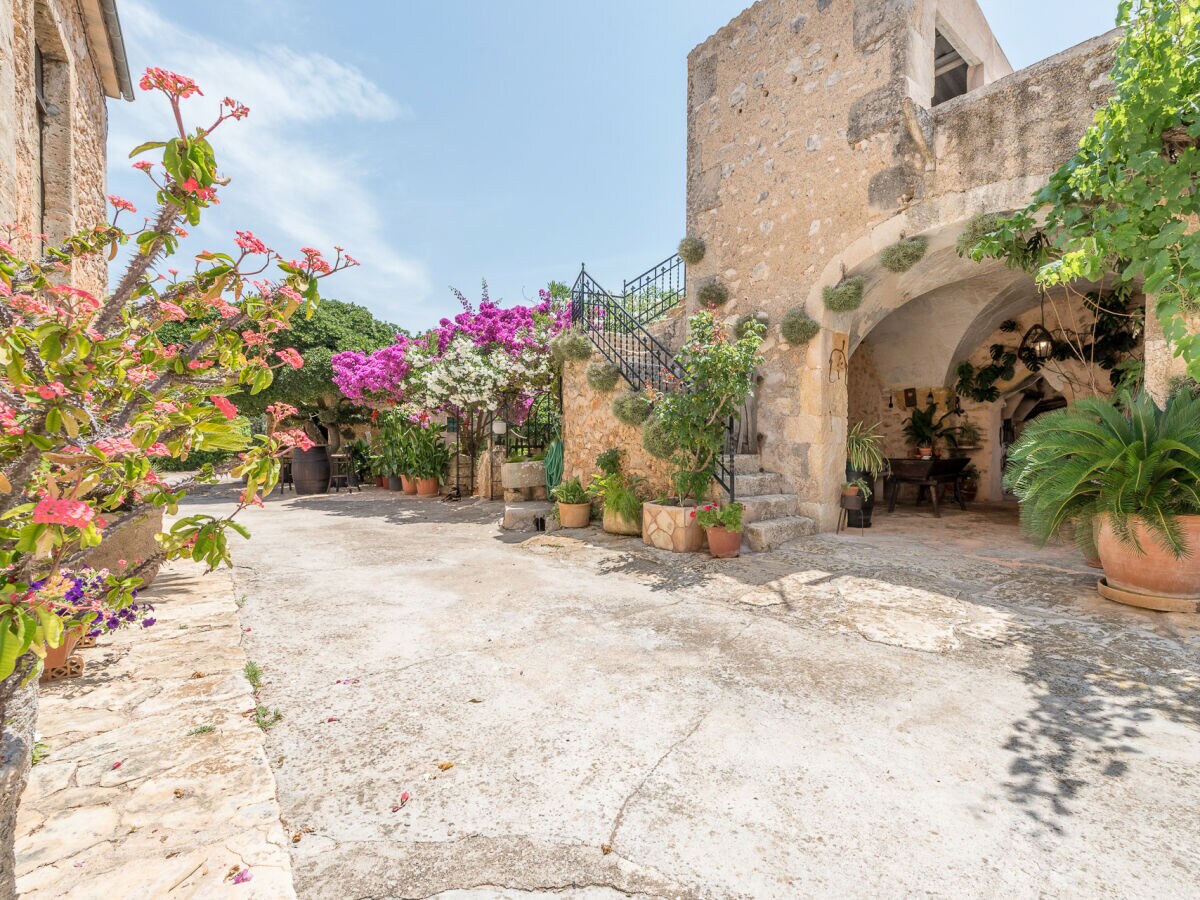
1132, 471
722, 524
574, 504
864, 463
924, 430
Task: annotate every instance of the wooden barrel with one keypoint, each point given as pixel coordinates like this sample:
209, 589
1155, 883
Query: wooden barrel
310, 470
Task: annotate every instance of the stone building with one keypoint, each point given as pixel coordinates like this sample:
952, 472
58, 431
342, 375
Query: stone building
821, 132
59, 61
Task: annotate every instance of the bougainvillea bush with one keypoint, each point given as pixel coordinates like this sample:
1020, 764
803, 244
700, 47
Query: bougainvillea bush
90, 394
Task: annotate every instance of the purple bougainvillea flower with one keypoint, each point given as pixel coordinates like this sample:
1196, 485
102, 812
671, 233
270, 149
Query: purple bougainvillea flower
242, 876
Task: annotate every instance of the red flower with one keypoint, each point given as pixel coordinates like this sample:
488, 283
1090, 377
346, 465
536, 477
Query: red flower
222, 403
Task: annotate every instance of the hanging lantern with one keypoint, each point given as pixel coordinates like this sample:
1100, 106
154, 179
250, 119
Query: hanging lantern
1038, 343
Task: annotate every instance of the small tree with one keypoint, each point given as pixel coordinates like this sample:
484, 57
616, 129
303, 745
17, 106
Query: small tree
717, 378
1127, 202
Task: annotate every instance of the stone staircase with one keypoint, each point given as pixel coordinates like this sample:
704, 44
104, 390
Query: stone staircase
772, 515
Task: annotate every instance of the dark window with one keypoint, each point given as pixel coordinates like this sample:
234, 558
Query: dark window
949, 71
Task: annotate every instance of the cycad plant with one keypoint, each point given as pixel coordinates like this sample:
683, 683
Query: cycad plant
1125, 460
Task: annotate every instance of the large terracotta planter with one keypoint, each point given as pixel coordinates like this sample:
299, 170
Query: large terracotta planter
1154, 579
723, 543
409, 484
574, 515
427, 487
615, 523
393, 482
671, 528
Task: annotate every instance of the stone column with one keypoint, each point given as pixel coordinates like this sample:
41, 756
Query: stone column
1162, 365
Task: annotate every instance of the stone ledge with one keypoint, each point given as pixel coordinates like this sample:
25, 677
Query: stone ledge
522, 516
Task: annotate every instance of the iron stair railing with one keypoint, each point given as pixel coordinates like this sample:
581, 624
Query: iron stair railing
656, 291
639, 356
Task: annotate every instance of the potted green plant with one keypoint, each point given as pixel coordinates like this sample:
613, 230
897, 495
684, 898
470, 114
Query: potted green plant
722, 524
864, 463
395, 448
966, 435
924, 429
428, 458
574, 504
1133, 468
619, 494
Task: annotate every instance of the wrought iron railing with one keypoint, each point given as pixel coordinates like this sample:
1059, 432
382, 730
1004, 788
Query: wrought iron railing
656, 291
641, 358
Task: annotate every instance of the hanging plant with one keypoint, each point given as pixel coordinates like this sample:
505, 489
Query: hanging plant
657, 440
631, 409
602, 376
570, 346
691, 250
904, 254
975, 229
742, 325
846, 296
713, 293
797, 328
979, 384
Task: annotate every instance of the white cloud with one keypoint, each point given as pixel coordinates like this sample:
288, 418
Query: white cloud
294, 182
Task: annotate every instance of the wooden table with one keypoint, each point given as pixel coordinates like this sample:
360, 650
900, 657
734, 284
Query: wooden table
927, 474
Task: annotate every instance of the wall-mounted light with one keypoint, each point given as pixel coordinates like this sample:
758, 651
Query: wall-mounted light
929, 398
499, 427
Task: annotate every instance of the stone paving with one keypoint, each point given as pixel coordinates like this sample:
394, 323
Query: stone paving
129, 800
932, 707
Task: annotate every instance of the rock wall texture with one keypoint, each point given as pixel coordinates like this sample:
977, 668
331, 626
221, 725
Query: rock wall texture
812, 146
64, 159
590, 428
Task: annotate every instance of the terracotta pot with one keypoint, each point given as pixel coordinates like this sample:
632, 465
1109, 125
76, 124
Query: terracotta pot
924, 452
56, 657
615, 523
381, 481
671, 528
393, 482
410, 484
428, 487
574, 515
723, 543
850, 492
1155, 572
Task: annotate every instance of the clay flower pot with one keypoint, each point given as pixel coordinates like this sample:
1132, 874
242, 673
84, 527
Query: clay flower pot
409, 484
427, 487
56, 657
723, 543
671, 528
615, 523
381, 481
924, 452
574, 515
1154, 579
393, 482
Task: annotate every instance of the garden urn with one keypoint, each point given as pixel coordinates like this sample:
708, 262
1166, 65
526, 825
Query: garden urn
574, 515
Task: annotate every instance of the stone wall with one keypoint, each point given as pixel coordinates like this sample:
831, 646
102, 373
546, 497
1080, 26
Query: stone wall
74, 139
590, 428
811, 147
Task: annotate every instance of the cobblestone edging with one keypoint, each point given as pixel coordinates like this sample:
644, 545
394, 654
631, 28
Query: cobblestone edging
135, 796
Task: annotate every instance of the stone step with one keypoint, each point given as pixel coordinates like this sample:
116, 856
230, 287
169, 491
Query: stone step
769, 506
524, 516
758, 483
768, 535
747, 464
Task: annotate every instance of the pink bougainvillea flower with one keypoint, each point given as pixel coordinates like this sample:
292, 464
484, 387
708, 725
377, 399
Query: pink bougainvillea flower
72, 513
118, 764
242, 876
228, 410
291, 356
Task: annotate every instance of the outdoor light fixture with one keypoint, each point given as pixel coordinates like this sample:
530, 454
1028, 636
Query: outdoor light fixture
499, 427
929, 398
1037, 342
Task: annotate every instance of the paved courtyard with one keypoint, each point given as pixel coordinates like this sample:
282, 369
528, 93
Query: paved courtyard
932, 707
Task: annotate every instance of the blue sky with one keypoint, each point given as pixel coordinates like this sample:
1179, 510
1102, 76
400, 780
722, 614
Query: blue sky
446, 141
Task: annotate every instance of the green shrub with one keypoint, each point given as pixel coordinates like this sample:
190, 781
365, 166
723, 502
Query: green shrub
975, 229
847, 296
570, 346
904, 254
609, 462
620, 494
691, 250
571, 492
632, 409
656, 440
196, 459
602, 376
713, 293
797, 328
742, 325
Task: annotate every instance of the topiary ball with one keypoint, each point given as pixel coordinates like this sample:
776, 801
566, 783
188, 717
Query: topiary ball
602, 376
742, 325
655, 439
631, 409
570, 346
713, 293
797, 328
691, 250
847, 296
904, 254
